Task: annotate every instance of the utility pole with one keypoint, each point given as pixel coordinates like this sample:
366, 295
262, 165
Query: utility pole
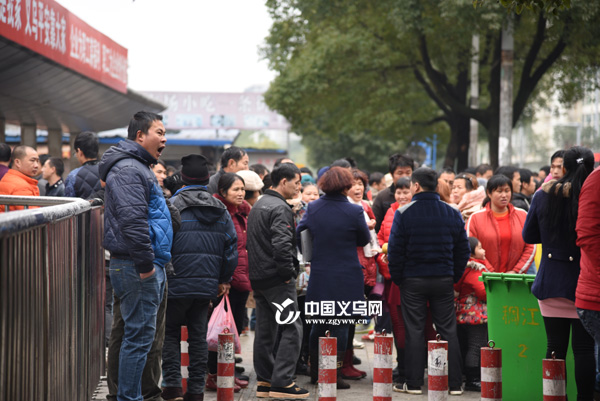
506, 94
474, 124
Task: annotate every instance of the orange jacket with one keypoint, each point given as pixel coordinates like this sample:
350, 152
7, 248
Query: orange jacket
17, 183
483, 226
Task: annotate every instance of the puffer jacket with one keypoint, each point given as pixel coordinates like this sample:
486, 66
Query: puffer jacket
383, 236
272, 256
427, 239
205, 247
137, 222
83, 181
483, 226
239, 215
16, 183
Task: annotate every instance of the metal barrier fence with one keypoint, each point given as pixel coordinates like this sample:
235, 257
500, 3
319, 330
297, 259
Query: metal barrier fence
51, 299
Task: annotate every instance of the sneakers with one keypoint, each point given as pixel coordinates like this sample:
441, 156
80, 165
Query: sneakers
405, 388
456, 390
262, 389
289, 392
172, 394
357, 344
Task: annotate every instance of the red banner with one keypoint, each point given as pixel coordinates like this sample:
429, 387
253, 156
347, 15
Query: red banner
49, 29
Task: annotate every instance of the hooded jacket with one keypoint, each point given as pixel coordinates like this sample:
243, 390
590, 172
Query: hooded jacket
205, 247
239, 215
137, 222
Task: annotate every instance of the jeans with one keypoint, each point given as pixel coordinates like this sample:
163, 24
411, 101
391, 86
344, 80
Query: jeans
108, 306
415, 293
278, 370
193, 313
591, 322
139, 304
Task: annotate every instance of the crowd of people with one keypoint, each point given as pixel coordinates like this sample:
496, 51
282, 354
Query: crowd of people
181, 242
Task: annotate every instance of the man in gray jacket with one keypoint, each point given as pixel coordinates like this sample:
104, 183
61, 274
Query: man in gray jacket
273, 269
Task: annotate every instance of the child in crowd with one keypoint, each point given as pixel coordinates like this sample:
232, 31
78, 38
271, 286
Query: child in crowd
471, 312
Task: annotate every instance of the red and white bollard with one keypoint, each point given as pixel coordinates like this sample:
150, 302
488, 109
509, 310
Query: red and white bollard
225, 367
554, 378
185, 358
327, 385
491, 373
437, 370
382, 367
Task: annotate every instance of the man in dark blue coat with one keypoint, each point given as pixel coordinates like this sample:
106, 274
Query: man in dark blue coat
428, 251
204, 258
139, 235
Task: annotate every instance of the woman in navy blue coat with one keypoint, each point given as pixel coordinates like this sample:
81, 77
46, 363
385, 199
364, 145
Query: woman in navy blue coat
551, 222
337, 227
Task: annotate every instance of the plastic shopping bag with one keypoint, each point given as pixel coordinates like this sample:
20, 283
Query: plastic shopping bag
220, 320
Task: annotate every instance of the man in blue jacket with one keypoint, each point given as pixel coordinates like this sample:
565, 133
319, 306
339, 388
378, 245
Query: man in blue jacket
428, 251
139, 235
204, 258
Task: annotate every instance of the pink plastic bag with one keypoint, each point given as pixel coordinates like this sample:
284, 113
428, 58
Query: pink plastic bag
220, 320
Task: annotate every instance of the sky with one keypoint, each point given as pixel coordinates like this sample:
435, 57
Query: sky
184, 45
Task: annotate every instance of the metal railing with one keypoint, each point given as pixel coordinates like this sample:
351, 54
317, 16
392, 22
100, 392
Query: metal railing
51, 299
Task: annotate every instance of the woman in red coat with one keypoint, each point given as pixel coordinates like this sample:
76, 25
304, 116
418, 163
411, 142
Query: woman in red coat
231, 192
498, 227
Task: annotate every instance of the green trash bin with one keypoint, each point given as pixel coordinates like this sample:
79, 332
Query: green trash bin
516, 325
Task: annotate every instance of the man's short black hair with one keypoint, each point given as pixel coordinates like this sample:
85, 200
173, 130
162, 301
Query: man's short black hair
285, 170
426, 178
232, 153
343, 163
483, 168
87, 142
507, 171
306, 170
375, 177
447, 170
558, 153
259, 169
58, 164
141, 121
5, 152
398, 160
545, 169
525, 175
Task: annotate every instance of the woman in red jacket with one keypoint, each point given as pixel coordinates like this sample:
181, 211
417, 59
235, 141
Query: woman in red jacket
231, 191
498, 227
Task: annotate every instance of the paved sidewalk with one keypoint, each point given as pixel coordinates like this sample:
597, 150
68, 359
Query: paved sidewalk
361, 390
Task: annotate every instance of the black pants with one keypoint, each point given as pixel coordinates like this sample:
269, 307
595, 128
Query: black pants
558, 331
192, 313
415, 294
237, 300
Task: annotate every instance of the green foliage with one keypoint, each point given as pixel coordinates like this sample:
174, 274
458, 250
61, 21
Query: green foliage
517, 6
395, 69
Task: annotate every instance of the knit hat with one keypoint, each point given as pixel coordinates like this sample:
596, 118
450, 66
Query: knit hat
251, 179
194, 170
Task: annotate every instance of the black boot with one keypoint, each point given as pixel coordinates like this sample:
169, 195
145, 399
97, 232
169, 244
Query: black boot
314, 366
341, 383
473, 379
